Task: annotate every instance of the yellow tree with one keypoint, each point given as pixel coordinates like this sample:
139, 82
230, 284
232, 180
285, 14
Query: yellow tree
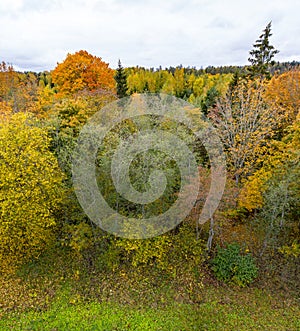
274, 192
284, 162
30, 190
245, 122
82, 71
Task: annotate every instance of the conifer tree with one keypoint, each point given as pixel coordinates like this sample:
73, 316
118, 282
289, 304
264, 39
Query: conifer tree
121, 80
261, 55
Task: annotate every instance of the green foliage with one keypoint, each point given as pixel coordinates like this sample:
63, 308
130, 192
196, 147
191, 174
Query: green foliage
210, 100
121, 80
230, 266
262, 55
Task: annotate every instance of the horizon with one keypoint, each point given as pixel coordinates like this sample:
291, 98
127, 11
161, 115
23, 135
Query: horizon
36, 35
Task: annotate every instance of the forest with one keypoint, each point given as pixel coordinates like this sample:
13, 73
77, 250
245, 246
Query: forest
237, 271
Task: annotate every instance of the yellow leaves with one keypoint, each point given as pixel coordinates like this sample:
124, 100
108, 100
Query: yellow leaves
81, 236
292, 250
245, 123
30, 190
282, 162
251, 195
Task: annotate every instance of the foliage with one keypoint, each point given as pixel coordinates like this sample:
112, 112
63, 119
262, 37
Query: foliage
219, 309
284, 91
8, 81
17, 90
80, 71
230, 266
121, 80
168, 252
262, 55
245, 122
30, 190
274, 191
179, 82
292, 250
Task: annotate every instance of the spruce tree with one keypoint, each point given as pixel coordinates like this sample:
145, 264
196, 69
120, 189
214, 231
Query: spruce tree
262, 55
121, 80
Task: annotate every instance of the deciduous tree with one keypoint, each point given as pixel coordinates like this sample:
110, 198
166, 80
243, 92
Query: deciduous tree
80, 71
245, 121
30, 191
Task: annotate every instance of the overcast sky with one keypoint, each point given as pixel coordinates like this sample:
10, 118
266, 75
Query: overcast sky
36, 34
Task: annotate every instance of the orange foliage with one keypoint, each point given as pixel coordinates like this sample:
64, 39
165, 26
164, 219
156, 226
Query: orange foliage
8, 78
284, 91
82, 71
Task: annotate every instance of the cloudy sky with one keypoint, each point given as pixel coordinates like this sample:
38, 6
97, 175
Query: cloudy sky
36, 34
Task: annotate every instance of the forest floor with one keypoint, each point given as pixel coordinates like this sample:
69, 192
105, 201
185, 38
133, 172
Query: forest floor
57, 296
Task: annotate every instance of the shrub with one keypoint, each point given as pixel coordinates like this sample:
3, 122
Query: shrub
169, 252
230, 266
31, 191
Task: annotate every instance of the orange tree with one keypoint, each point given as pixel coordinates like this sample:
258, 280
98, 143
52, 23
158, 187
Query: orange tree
284, 90
82, 71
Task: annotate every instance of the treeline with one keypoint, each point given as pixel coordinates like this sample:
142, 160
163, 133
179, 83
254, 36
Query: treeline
275, 68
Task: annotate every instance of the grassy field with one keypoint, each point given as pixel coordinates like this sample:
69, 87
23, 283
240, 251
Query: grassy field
220, 309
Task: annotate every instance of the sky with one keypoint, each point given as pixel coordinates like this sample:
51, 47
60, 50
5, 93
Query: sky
37, 34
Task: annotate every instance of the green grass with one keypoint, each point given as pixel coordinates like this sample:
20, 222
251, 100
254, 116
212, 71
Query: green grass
220, 310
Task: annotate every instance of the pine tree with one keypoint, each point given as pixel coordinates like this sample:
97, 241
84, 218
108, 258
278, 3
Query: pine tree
262, 55
121, 80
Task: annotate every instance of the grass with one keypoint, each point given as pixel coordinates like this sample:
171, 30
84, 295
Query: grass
64, 295
221, 309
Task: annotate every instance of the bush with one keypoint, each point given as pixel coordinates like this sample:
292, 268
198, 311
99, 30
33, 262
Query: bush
31, 191
230, 266
171, 252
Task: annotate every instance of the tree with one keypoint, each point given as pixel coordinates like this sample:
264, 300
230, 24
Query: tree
179, 86
8, 79
209, 100
284, 90
30, 191
262, 55
121, 80
82, 71
245, 121
274, 190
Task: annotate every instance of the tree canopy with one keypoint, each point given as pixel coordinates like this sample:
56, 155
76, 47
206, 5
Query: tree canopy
80, 71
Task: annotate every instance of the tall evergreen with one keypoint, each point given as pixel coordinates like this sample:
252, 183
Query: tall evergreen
121, 80
262, 54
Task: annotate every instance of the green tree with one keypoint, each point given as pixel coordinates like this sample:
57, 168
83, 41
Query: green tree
121, 80
262, 54
209, 100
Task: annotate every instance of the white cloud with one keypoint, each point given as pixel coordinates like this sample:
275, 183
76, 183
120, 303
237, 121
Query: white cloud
35, 35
